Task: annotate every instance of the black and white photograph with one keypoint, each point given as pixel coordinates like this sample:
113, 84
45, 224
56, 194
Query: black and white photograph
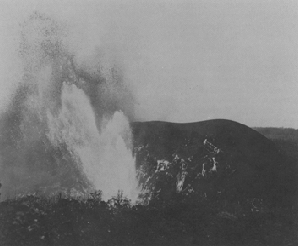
148, 123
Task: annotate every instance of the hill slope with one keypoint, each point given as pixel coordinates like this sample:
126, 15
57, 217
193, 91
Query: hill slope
219, 158
285, 138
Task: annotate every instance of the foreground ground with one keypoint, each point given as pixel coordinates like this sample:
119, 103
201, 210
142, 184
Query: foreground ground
33, 220
183, 220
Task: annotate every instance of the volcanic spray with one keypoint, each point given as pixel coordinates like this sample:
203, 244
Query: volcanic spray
67, 125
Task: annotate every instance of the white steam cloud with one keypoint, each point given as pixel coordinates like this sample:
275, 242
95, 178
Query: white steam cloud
66, 125
106, 159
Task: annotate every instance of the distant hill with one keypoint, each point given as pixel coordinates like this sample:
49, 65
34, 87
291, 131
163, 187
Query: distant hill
219, 158
285, 138
278, 133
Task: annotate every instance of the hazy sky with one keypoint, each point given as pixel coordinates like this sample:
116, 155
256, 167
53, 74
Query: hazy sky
185, 60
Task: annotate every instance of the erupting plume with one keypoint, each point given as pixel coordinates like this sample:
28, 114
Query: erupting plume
67, 126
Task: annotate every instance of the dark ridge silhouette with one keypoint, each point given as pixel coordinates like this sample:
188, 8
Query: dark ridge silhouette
214, 182
248, 165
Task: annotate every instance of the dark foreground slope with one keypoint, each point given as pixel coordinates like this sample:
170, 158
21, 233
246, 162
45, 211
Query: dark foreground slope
219, 158
209, 183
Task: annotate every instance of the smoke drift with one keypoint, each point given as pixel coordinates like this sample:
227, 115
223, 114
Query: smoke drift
67, 125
